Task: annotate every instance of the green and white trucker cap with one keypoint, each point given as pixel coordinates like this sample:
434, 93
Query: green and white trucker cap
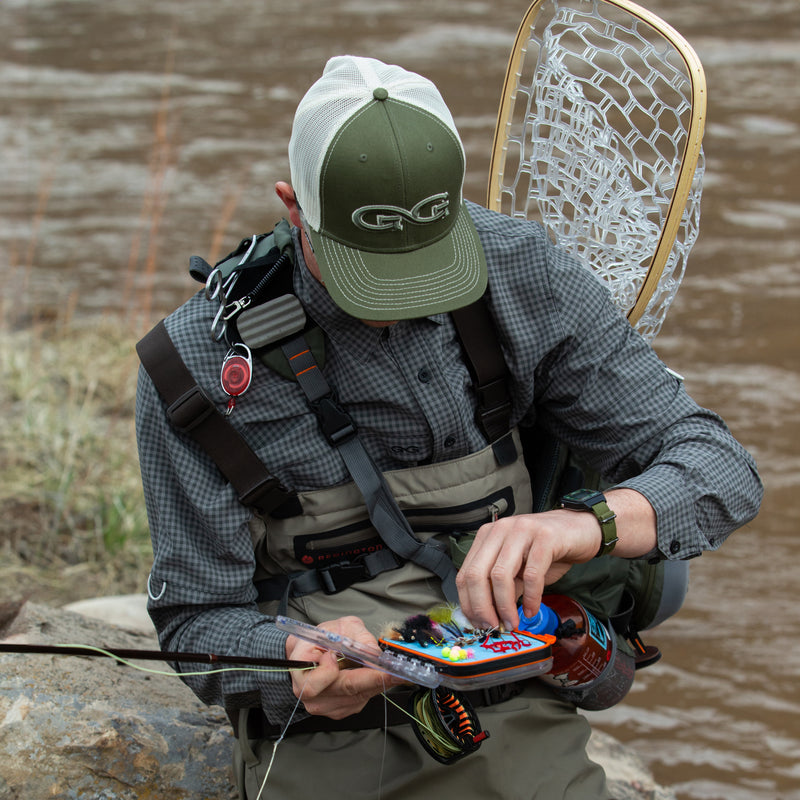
378, 169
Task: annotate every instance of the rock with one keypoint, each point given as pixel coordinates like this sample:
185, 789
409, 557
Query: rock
127, 611
81, 728
628, 776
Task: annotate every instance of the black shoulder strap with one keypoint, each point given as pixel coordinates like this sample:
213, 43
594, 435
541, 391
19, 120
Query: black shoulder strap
478, 335
191, 411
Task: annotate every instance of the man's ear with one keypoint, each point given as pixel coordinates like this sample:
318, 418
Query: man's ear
288, 198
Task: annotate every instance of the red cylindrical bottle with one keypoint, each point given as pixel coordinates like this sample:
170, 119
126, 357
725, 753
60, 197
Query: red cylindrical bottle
583, 646
588, 668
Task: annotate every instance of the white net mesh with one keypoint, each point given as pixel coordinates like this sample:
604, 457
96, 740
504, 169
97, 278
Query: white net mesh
346, 86
593, 142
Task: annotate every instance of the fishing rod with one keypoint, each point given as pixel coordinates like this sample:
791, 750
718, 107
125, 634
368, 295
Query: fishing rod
153, 655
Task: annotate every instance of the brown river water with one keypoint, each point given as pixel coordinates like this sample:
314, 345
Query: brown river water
134, 135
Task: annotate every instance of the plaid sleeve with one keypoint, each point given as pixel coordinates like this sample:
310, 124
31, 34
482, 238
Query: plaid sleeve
201, 594
583, 372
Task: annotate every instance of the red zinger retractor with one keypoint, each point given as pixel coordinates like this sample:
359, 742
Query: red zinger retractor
236, 373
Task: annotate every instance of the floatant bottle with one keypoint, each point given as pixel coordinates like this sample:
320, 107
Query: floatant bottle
588, 667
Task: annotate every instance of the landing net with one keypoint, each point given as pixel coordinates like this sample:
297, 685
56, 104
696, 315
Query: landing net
599, 138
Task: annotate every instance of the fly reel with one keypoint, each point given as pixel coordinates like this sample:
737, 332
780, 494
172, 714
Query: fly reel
446, 724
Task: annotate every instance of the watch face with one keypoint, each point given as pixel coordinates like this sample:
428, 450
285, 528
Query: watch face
583, 498
580, 495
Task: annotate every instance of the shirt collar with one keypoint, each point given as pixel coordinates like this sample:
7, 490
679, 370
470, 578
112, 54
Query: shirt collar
347, 332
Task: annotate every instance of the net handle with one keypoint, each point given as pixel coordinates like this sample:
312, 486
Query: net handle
691, 150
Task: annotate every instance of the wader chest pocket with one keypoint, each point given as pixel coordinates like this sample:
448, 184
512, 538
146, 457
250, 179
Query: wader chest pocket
455, 526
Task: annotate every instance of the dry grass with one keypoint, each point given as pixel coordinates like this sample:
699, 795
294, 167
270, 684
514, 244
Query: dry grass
73, 521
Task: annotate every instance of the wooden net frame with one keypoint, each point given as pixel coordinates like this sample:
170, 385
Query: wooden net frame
599, 137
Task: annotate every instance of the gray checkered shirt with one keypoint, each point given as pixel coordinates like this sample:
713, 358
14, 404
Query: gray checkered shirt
578, 369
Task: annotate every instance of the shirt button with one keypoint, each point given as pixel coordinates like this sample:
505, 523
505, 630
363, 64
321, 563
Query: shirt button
424, 376
674, 546
449, 441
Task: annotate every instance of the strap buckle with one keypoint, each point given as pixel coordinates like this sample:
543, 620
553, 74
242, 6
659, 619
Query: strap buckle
266, 495
336, 424
494, 408
190, 409
342, 575
492, 695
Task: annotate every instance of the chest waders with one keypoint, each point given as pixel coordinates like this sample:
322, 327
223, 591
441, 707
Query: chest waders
336, 544
402, 554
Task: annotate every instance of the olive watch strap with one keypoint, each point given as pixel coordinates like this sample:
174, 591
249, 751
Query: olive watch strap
595, 502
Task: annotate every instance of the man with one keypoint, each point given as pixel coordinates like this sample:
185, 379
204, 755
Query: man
385, 248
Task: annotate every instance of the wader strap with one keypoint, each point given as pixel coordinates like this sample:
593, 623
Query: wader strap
329, 579
340, 431
487, 365
192, 412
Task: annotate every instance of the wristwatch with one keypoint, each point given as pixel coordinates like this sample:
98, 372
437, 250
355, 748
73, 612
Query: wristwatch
595, 502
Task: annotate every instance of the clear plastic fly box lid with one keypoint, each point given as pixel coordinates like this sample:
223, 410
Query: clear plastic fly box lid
475, 661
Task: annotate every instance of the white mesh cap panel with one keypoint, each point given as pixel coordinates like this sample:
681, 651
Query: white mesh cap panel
346, 86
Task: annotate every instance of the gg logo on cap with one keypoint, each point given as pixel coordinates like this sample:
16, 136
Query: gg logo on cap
391, 217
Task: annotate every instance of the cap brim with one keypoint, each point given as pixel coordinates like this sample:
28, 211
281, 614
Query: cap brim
440, 277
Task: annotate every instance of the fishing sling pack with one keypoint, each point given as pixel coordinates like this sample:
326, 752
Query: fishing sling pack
626, 593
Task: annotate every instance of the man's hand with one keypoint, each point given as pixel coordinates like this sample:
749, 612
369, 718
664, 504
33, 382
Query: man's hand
520, 555
328, 690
